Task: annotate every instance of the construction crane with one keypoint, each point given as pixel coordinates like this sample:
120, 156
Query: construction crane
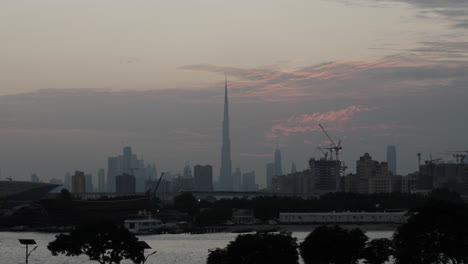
344, 167
325, 154
157, 185
336, 147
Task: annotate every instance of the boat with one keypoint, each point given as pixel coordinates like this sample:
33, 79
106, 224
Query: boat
143, 223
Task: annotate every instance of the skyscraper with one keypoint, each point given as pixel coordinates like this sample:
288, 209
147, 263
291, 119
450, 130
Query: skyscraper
270, 172
89, 183
391, 159
113, 169
225, 176
203, 176
101, 180
278, 162
79, 182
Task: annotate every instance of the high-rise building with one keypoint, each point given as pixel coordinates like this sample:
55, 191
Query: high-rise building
113, 169
293, 168
236, 176
225, 178
79, 182
392, 159
101, 180
127, 160
34, 177
125, 183
248, 182
67, 181
278, 162
203, 177
187, 172
270, 172
89, 183
372, 175
326, 174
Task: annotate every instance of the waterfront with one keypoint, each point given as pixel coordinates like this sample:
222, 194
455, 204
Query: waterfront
180, 249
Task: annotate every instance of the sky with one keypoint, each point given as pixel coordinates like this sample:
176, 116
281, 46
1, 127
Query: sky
80, 79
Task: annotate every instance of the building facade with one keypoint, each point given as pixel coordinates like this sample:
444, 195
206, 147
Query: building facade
203, 177
392, 159
125, 183
78, 182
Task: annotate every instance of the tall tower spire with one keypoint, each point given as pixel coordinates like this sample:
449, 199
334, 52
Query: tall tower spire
225, 177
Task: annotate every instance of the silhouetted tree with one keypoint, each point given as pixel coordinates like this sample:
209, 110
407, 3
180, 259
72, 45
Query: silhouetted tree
259, 248
437, 233
217, 256
102, 242
333, 245
65, 194
187, 203
377, 251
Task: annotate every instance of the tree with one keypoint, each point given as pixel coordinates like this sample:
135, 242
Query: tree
187, 203
377, 251
333, 245
259, 248
102, 242
437, 233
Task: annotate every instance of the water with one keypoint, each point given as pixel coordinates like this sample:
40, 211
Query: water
180, 249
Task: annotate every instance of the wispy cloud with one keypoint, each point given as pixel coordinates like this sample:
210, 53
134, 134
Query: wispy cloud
454, 11
392, 75
299, 124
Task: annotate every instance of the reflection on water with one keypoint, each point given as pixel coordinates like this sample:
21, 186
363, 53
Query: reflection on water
180, 249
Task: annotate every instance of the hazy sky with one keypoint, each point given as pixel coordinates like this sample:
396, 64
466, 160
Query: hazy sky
78, 78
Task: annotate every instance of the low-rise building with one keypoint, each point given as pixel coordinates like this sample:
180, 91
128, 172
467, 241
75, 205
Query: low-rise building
344, 218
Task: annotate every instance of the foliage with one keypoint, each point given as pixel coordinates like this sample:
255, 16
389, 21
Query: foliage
186, 203
437, 233
259, 248
102, 242
65, 195
333, 245
377, 251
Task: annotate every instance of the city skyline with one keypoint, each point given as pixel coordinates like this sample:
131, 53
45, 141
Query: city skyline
396, 76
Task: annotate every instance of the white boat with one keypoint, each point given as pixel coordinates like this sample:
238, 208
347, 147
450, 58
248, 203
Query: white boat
143, 223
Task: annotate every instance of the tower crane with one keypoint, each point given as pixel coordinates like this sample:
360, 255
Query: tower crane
325, 154
336, 147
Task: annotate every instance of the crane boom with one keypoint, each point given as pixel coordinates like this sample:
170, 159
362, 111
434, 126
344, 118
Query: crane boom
157, 185
334, 146
326, 134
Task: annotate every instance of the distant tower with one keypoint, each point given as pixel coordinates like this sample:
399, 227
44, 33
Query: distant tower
237, 179
392, 159
101, 180
127, 160
278, 166
187, 171
226, 181
270, 172
293, 167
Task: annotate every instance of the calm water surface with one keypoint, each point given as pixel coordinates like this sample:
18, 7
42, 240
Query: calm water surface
180, 249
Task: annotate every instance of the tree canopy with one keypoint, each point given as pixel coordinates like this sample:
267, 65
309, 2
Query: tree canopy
259, 248
437, 233
377, 251
333, 244
102, 242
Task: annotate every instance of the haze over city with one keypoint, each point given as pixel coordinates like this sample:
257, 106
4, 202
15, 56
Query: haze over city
82, 79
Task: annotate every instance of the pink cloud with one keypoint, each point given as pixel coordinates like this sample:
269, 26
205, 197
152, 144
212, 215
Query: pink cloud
299, 124
341, 115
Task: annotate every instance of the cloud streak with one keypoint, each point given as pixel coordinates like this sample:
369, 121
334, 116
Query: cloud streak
393, 75
299, 124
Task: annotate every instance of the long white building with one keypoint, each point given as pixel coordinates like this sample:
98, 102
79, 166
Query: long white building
344, 218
